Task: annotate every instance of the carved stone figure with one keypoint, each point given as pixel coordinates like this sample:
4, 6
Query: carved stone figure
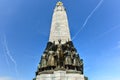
76, 62
59, 55
43, 61
51, 59
73, 54
39, 66
68, 60
81, 66
68, 46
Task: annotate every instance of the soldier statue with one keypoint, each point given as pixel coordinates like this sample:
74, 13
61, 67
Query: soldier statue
73, 54
81, 65
51, 60
68, 60
39, 67
43, 62
59, 54
76, 62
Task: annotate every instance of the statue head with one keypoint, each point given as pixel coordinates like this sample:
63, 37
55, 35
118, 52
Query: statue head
51, 52
46, 51
44, 55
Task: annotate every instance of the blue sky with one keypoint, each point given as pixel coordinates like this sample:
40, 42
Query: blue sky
24, 32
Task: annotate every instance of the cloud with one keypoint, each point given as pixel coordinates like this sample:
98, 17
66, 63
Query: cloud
8, 54
88, 17
108, 31
6, 78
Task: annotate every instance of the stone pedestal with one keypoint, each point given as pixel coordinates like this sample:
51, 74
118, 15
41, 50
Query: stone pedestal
60, 75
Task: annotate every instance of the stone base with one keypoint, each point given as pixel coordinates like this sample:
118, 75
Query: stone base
60, 75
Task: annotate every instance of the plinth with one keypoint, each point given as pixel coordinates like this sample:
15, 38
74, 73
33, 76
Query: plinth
61, 75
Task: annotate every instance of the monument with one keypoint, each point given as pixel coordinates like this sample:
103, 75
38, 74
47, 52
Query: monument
60, 60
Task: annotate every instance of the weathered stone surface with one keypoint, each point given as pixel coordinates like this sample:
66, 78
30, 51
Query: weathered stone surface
61, 75
59, 25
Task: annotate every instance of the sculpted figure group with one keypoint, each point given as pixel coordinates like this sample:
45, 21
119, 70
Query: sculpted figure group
60, 56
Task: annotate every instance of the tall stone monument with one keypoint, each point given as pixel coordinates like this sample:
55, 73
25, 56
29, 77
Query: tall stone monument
60, 60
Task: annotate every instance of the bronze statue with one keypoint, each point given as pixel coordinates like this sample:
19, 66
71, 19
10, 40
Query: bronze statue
81, 65
59, 54
73, 54
43, 61
51, 59
76, 62
39, 67
68, 60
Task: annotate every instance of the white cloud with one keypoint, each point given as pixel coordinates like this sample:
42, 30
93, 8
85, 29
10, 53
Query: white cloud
8, 54
6, 78
88, 17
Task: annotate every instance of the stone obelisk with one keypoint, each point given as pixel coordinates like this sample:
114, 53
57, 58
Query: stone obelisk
59, 26
60, 60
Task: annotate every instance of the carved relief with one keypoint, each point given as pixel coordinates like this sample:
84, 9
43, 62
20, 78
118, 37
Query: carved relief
60, 56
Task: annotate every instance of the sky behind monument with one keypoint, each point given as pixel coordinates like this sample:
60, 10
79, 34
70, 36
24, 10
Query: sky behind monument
24, 33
